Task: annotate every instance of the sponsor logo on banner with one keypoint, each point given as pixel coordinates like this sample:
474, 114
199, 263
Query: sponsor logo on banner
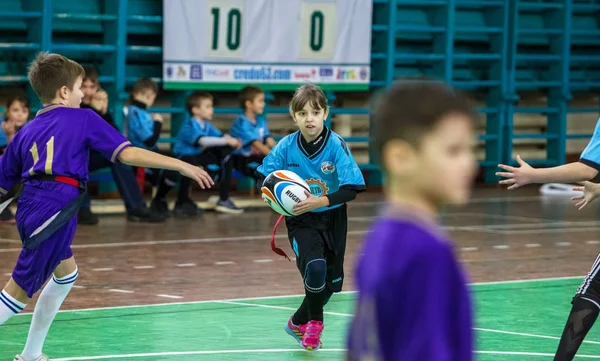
364, 73
326, 72
346, 74
195, 72
305, 75
217, 72
264, 73
181, 72
169, 72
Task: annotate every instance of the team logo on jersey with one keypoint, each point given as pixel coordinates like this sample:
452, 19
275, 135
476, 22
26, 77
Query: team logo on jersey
327, 167
318, 188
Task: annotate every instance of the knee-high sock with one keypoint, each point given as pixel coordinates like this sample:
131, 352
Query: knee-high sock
46, 308
9, 306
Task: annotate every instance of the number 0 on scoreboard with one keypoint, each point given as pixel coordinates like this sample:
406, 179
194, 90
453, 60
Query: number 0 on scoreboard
318, 27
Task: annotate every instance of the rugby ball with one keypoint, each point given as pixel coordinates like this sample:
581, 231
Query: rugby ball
282, 189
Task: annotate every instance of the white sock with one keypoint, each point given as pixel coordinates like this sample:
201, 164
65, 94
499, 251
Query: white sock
9, 306
46, 308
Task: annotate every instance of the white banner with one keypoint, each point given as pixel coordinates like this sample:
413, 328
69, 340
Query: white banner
226, 44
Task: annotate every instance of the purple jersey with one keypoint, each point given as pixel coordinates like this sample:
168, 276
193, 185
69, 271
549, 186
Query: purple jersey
57, 142
413, 300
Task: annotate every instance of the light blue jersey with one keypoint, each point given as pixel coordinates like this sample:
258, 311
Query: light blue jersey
591, 153
140, 127
190, 132
244, 129
328, 169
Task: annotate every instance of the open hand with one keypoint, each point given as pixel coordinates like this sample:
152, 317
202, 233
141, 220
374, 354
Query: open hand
590, 192
517, 176
157, 117
197, 174
310, 204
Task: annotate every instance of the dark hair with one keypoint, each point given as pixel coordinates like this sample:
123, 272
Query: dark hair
195, 98
249, 93
410, 109
90, 74
14, 99
145, 84
50, 72
308, 93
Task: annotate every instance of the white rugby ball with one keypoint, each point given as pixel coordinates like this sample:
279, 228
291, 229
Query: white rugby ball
282, 189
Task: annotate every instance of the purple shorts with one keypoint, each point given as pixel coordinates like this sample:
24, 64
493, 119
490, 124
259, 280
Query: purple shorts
38, 203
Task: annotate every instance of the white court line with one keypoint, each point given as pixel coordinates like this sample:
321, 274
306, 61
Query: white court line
185, 265
120, 291
292, 350
262, 261
222, 263
288, 296
78, 286
527, 335
563, 244
533, 245
501, 246
184, 353
170, 296
144, 267
469, 249
279, 307
592, 242
103, 269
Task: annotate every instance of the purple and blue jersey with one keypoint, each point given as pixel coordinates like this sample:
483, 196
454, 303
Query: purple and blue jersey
413, 300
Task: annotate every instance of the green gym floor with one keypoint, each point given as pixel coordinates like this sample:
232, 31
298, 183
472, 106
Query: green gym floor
515, 321
147, 292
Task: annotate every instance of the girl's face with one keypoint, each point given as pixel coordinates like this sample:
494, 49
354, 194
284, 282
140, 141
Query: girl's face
310, 121
18, 113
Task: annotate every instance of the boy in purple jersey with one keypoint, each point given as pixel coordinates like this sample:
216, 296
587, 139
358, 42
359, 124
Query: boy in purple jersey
50, 157
413, 301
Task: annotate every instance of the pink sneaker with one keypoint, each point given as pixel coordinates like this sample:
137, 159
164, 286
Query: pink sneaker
297, 332
312, 335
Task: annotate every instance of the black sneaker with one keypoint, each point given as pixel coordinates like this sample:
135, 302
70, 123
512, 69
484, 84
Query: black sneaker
187, 208
86, 217
7, 216
227, 206
145, 214
160, 206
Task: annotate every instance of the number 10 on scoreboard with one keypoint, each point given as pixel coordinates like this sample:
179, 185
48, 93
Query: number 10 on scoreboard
317, 29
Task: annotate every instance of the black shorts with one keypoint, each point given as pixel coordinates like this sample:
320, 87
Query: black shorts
247, 165
214, 156
320, 235
590, 287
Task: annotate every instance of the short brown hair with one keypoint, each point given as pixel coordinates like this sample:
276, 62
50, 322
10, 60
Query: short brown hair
50, 72
196, 98
410, 109
143, 85
249, 93
308, 93
91, 74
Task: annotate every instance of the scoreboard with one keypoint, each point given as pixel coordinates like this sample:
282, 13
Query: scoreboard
277, 44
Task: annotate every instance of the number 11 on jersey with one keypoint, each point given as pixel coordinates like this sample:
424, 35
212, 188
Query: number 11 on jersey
49, 156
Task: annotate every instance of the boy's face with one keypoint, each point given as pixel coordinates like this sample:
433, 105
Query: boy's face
204, 110
257, 106
310, 121
72, 97
89, 88
443, 167
148, 97
17, 113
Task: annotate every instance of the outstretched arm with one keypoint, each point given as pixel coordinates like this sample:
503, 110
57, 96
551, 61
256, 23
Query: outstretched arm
144, 158
525, 174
